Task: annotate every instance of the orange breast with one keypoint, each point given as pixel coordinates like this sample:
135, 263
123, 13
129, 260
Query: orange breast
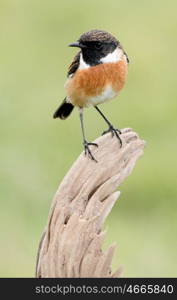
91, 82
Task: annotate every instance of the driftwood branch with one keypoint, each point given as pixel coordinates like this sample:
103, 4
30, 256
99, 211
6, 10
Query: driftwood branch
71, 244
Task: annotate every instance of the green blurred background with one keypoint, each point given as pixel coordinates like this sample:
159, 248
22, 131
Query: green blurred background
36, 151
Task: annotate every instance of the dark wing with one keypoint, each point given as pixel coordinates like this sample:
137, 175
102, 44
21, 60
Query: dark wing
65, 108
74, 65
127, 57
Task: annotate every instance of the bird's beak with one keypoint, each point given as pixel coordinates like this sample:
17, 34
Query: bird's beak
77, 44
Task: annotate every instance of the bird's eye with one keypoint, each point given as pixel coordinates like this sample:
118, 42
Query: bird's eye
98, 45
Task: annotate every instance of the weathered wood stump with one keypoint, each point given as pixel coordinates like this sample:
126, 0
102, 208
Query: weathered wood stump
71, 244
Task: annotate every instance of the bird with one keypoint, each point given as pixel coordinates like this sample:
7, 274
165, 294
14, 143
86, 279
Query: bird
97, 74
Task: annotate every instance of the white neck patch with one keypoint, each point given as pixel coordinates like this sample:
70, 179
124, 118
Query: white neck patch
115, 56
82, 63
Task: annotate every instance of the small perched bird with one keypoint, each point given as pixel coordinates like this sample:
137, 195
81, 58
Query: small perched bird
97, 74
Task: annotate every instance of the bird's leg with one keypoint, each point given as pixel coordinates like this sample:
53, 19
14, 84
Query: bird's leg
111, 129
85, 143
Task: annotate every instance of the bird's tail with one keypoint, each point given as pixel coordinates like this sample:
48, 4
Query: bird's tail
64, 110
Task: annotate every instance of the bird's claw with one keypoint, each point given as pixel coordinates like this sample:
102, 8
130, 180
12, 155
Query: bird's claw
88, 151
115, 132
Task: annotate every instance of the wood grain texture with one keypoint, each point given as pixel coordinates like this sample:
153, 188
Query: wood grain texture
71, 244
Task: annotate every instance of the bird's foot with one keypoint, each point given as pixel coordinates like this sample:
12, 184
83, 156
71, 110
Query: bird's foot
88, 151
114, 132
